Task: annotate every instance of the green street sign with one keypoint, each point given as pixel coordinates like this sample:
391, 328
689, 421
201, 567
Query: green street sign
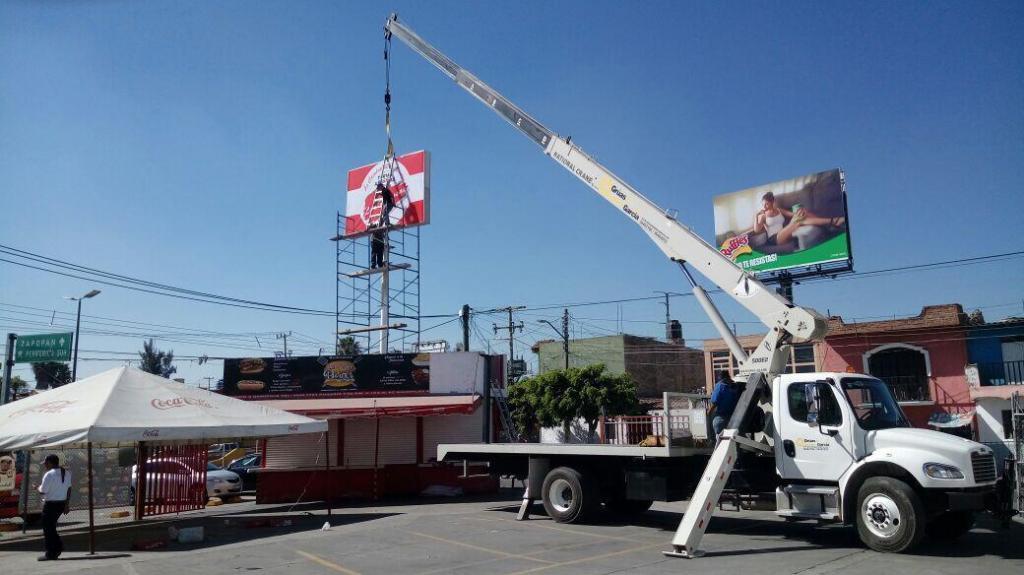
43, 347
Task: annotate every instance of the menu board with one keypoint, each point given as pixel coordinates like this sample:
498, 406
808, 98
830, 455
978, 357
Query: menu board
313, 376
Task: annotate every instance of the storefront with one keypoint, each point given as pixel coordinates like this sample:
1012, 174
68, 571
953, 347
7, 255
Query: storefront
384, 427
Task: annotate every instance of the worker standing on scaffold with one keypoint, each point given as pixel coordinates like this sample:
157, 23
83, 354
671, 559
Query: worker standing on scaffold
378, 243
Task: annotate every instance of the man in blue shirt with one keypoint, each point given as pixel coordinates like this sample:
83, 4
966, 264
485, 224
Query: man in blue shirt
723, 402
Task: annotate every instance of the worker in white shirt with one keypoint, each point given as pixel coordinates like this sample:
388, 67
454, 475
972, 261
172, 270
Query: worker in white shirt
55, 489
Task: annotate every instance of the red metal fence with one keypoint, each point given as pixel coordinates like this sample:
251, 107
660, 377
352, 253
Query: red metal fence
172, 479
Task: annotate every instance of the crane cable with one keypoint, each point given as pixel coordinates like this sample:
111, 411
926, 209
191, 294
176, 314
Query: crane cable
390, 152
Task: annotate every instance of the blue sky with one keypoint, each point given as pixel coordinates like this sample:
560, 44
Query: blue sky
205, 145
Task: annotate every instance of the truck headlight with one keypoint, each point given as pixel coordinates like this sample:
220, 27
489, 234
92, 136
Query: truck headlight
940, 471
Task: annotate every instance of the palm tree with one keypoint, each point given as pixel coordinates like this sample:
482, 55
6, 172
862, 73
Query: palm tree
349, 346
51, 374
155, 361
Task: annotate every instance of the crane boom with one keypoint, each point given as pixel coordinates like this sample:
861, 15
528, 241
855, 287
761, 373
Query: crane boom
674, 239
784, 320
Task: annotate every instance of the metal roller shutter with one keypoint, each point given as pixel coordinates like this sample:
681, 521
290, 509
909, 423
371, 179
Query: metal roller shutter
397, 440
301, 451
450, 429
359, 442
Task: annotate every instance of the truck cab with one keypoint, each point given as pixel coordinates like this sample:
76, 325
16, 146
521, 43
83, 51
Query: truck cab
844, 451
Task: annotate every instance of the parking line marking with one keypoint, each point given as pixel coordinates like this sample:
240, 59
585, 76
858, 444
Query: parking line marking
326, 563
478, 548
586, 559
554, 528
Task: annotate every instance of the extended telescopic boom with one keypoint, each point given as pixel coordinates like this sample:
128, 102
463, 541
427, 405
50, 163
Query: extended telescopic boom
784, 320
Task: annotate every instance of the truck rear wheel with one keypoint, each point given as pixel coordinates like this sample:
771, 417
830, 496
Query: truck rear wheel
570, 496
890, 515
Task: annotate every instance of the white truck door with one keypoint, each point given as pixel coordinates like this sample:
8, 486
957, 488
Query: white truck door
816, 433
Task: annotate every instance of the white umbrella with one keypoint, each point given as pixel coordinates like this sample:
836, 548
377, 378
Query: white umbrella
126, 405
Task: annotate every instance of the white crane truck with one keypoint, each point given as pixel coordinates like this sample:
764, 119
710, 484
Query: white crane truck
831, 447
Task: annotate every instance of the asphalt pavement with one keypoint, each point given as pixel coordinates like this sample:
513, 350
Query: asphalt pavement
427, 536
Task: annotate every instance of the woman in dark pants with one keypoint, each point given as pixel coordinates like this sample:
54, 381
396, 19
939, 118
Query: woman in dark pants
55, 487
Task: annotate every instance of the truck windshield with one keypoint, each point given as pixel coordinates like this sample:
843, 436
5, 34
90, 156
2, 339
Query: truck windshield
873, 404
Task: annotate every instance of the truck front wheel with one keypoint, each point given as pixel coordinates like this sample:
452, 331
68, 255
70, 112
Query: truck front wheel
890, 515
570, 496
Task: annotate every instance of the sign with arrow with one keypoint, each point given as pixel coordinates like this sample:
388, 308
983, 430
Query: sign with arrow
43, 347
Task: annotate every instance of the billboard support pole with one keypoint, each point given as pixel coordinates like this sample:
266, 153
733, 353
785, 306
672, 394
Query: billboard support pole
8, 366
785, 288
385, 295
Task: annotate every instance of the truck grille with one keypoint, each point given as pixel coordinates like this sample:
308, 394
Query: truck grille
984, 466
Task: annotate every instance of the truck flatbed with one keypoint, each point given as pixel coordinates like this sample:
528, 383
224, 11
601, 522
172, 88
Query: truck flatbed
453, 451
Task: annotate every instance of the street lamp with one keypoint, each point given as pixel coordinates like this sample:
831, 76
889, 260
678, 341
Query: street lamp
78, 323
565, 339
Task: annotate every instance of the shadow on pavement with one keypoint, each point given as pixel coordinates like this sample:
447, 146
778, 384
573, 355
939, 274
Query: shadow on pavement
987, 538
218, 530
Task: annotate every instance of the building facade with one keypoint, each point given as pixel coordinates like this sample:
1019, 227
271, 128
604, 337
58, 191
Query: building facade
921, 358
655, 366
996, 354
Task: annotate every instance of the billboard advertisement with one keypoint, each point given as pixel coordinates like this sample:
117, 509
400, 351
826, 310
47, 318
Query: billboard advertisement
406, 180
795, 223
312, 376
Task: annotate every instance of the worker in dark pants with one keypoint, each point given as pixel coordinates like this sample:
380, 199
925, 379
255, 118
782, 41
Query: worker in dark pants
55, 487
378, 243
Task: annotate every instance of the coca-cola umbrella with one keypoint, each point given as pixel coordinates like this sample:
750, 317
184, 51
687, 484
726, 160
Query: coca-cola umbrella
127, 406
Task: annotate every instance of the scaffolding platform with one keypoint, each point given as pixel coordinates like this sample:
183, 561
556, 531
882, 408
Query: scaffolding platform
367, 297
371, 271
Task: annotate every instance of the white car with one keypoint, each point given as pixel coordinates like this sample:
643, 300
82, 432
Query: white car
175, 480
221, 481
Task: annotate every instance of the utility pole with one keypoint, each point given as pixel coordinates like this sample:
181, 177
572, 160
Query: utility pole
563, 333
668, 315
8, 366
511, 327
464, 314
284, 336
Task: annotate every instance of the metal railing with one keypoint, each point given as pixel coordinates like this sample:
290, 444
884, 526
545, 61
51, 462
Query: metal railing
1001, 373
686, 424
908, 387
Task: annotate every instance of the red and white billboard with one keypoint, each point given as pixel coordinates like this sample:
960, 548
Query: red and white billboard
408, 179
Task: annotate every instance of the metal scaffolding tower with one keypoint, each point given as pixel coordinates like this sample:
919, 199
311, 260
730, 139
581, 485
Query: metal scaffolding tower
379, 308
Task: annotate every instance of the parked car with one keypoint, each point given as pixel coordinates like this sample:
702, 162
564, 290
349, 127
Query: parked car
247, 468
176, 480
220, 482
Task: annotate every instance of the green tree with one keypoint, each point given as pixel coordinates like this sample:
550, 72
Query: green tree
18, 386
558, 398
51, 374
155, 361
349, 346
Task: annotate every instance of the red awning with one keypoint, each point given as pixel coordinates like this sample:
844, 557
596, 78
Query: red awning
379, 406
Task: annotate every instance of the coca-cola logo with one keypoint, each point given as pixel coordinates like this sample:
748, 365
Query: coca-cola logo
50, 407
164, 404
293, 428
151, 433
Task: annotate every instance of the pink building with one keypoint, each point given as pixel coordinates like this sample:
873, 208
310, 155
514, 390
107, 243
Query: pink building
922, 358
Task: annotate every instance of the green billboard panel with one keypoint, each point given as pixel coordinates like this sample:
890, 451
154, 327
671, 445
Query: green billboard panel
43, 347
797, 223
